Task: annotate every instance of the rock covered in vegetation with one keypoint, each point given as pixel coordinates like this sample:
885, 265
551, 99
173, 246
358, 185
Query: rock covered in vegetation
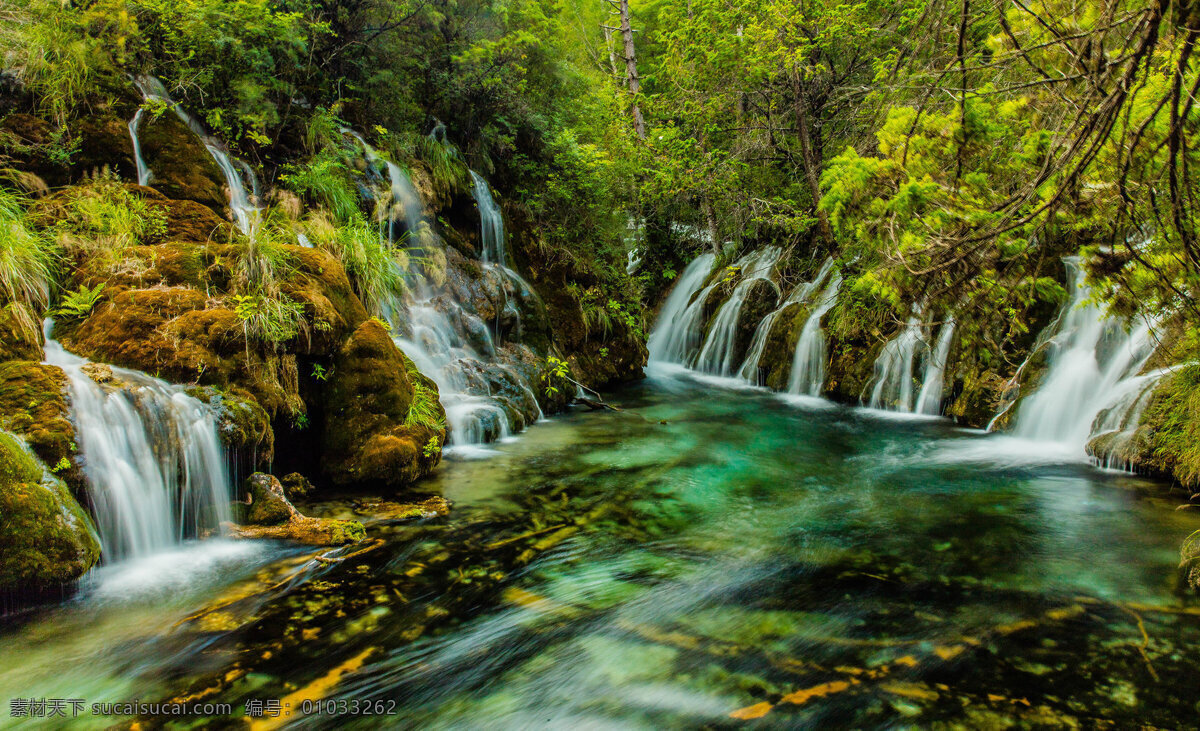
384, 423
272, 515
34, 404
46, 538
20, 337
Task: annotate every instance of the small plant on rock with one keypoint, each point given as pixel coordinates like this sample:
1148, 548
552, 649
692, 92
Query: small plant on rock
80, 303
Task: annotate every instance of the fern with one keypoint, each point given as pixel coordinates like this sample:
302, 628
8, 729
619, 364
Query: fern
80, 303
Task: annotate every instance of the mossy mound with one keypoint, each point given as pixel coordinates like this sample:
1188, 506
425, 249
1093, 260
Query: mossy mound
46, 538
1167, 441
34, 404
20, 337
384, 424
180, 165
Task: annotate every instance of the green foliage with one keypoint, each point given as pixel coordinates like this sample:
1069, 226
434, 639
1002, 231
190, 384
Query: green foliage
432, 448
269, 318
325, 180
26, 256
320, 373
1174, 415
80, 303
556, 376
101, 219
425, 410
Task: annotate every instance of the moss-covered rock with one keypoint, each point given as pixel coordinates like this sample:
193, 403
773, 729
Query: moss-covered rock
272, 515
20, 336
242, 424
384, 424
180, 165
310, 531
1167, 441
268, 503
34, 404
775, 365
46, 538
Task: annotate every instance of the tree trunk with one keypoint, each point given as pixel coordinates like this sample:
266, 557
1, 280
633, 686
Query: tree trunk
631, 74
811, 157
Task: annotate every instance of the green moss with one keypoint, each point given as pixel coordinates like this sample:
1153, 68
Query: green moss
371, 431
1173, 421
346, 531
16, 465
33, 404
46, 538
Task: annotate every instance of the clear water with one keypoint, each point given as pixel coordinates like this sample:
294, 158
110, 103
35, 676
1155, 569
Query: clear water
753, 555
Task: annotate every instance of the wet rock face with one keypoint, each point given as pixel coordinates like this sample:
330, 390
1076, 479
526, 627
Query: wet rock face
760, 301
373, 433
182, 168
775, 366
46, 538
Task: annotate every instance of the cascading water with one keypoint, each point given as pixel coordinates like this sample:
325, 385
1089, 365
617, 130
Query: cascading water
808, 362
155, 466
678, 329
893, 380
717, 355
450, 344
143, 172
490, 221
800, 293
929, 401
1094, 363
245, 214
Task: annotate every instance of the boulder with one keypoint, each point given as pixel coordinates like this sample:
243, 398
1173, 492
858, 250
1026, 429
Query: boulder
272, 515
34, 404
180, 165
384, 424
46, 538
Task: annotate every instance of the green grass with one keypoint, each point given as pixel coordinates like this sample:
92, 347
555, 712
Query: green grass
326, 181
425, 410
26, 260
101, 218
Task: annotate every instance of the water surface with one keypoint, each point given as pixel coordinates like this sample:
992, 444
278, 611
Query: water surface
708, 556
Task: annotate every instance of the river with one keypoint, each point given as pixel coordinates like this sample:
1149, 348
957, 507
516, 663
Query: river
708, 556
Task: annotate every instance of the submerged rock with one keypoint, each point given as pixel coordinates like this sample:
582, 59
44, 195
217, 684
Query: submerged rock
46, 538
272, 515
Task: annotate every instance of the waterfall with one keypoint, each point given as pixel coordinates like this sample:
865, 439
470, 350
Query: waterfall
893, 380
143, 172
1094, 362
717, 355
758, 344
929, 401
677, 330
491, 223
245, 214
154, 464
445, 340
808, 362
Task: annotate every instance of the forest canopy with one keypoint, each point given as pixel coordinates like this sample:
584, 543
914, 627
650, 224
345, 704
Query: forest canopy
947, 152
